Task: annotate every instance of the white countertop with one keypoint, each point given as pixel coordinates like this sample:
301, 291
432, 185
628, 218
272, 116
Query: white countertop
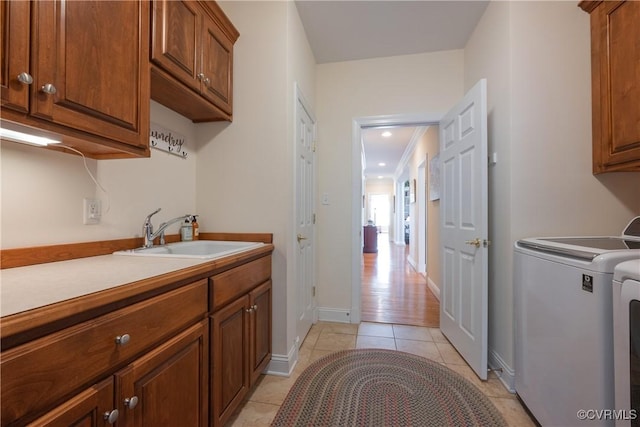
26, 288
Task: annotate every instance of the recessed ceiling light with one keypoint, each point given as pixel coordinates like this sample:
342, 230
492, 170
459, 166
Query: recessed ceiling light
380, 176
382, 164
386, 134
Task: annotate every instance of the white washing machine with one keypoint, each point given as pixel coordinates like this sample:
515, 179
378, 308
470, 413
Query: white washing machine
626, 327
564, 325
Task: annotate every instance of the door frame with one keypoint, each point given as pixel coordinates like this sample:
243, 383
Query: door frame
421, 221
417, 119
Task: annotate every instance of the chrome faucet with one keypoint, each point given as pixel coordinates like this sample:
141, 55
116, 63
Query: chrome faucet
147, 228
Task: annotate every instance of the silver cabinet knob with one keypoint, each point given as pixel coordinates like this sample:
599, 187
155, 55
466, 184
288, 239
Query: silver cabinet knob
111, 416
255, 307
25, 78
131, 402
122, 339
249, 310
200, 76
207, 81
49, 89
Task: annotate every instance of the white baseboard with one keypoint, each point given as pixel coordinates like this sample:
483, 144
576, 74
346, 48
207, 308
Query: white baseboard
508, 375
282, 365
412, 262
433, 287
326, 314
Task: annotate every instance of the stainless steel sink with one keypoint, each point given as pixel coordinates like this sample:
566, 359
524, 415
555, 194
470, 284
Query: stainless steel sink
202, 249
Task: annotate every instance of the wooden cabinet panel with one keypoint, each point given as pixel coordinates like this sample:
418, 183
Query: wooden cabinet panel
260, 335
227, 286
217, 66
230, 352
176, 39
14, 42
192, 59
615, 73
87, 409
78, 45
170, 383
80, 354
89, 65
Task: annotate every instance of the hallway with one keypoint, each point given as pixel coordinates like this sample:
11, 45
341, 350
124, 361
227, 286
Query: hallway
393, 292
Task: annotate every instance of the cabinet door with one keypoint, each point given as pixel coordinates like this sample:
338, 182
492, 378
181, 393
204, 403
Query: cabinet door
90, 408
616, 85
230, 350
217, 65
176, 38
260, 336
169, 385
14, 42
90, 67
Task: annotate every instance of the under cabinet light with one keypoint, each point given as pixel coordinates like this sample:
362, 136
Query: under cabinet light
26, 138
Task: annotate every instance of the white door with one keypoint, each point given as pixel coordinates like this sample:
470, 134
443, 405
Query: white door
305, 216
463, 227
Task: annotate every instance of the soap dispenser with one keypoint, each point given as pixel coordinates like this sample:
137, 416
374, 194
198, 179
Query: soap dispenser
186, 231
196, 227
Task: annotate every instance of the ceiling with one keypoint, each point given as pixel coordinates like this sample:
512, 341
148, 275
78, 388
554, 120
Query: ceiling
352, 30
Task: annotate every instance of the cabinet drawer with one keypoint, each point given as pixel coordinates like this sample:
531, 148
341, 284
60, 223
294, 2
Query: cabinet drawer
39, 373
227, 286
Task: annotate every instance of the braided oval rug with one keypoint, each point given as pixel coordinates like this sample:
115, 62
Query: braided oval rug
374, 387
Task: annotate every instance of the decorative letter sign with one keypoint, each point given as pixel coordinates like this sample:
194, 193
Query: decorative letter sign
167, 140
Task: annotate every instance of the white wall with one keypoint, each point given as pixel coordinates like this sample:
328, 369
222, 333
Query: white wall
43, 190
245, 168
410, 84
539, 96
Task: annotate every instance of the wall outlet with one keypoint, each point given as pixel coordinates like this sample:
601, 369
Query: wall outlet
92, 211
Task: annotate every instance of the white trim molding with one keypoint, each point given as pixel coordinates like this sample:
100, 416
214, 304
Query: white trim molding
433, 287
282, 365
340, 315
507, 376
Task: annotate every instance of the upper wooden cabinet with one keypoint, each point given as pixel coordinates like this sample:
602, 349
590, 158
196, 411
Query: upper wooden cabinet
615, 74
87, 79
192, 59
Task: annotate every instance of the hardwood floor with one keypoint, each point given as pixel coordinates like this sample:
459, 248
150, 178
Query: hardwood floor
393, 292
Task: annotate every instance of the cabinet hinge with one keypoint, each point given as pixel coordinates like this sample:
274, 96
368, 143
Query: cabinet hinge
314, 147
313, 218
313, 291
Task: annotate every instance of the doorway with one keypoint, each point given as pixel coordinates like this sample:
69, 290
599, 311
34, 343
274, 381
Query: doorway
357, 180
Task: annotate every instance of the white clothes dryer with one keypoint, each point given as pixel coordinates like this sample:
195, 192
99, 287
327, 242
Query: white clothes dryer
626, 327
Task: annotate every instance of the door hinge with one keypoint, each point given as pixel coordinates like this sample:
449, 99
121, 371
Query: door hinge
313, 218
313, 291
314, 147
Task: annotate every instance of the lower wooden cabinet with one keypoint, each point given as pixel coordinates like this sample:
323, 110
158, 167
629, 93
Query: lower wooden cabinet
92, 408
168, 360
166, 387
240, 349
169, 385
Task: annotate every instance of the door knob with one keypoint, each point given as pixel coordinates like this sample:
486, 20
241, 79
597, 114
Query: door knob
301, 238
475, 242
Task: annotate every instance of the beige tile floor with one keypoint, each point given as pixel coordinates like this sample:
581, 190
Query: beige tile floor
263, 403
